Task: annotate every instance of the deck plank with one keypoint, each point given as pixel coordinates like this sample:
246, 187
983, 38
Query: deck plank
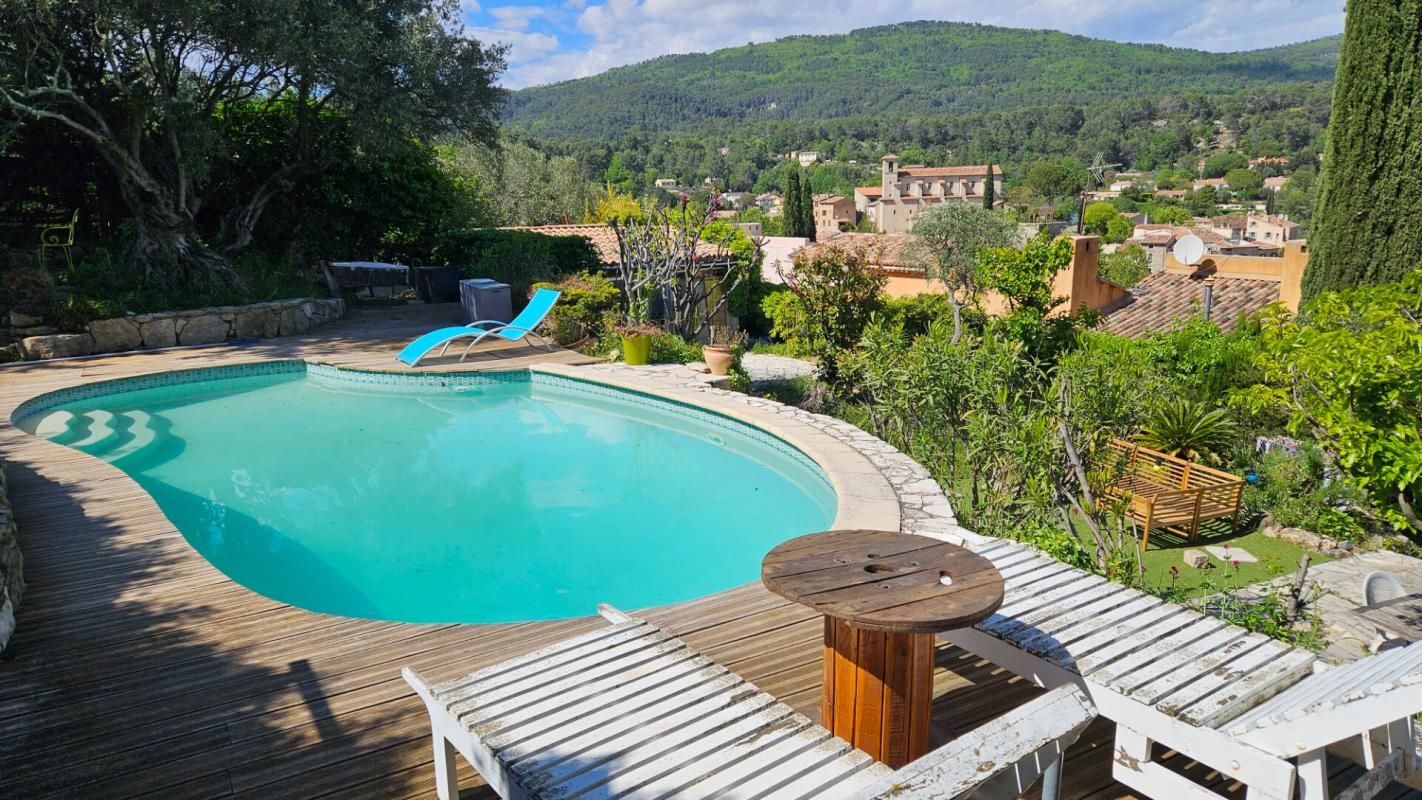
140, 670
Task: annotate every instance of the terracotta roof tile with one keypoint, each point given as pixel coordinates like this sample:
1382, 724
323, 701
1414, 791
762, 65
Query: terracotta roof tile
889, 250
869, 191
946, 172
603, 240
1160, 299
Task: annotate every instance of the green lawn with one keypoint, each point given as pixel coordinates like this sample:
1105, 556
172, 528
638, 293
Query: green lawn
774, 349
1275, 558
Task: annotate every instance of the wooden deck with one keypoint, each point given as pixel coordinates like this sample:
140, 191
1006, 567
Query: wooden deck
139, 670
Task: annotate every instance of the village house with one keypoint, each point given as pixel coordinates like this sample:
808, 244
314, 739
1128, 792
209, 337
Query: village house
906, 192
1275, 183
1124, 180
1222, 289
735, 199
804, 157
1271, 229
777, 255
1230, 227
895, 256
1270, 161
770, 203
1262, 229
866, 202
1216, 183
831, 212
1226, 236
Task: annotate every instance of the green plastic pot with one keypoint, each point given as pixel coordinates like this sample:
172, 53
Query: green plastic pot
636, 350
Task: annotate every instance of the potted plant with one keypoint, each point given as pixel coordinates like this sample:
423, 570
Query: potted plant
721, 352
637, 338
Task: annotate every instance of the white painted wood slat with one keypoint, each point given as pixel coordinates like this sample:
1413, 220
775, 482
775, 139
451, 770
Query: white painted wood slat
1121, 638
1251, 690
585, 727
1073, 628
547, 656
1048, 592
1368, 676
1143, 667
1219, 670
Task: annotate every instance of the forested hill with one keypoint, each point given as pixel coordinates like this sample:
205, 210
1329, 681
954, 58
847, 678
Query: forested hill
897, 71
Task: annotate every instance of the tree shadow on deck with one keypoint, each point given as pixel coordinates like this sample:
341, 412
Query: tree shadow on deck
138, 668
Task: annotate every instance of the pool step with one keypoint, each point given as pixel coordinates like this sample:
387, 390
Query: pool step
102, 433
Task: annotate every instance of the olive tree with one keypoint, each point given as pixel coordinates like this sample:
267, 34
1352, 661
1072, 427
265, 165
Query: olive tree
950, 239
146, 83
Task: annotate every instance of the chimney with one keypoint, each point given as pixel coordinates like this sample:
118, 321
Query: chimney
1291, 277
1208, 303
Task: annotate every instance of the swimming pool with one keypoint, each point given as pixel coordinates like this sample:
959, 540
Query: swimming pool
474, 497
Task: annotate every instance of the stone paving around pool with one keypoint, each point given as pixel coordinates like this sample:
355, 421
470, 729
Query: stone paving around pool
767, 368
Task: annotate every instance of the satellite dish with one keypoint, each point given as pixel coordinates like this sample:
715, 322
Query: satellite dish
1189, 250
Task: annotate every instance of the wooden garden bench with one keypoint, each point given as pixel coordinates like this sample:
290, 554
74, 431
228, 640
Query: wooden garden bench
1248, 706
1162, 491
630, 711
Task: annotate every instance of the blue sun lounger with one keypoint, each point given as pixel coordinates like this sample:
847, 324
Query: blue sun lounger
521, 326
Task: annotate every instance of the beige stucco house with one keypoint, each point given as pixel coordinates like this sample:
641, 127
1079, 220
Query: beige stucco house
1271, 229
831, 211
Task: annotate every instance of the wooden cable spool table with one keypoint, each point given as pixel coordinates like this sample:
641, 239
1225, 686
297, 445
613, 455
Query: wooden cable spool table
884, 595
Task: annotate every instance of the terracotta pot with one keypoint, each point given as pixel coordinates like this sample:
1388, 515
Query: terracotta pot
718, 358
636, 350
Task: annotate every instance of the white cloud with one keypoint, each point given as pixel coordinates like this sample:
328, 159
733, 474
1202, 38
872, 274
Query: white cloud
524, 47
516, 18
618, 32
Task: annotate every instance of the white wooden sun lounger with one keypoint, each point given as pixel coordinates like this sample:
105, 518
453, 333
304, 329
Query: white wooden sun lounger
629, 711
1211, 691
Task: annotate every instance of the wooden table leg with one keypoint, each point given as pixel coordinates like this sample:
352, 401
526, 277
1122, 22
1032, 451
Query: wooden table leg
878, 690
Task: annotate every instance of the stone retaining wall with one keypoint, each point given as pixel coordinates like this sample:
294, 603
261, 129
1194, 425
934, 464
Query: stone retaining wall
174, 328
12, 567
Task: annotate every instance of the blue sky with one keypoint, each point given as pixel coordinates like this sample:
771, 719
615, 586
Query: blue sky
553, 40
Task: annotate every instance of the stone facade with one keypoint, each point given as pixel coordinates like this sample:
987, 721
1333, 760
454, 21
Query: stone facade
904, 193
12, 567
178, 328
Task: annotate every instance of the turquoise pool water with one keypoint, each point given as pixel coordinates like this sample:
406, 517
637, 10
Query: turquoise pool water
457, 499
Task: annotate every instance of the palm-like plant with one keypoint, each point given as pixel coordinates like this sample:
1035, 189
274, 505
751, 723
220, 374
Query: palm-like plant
1188, 429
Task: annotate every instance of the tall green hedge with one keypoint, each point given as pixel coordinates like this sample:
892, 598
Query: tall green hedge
1367, 228
518, 258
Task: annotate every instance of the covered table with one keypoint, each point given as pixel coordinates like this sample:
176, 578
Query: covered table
884, 595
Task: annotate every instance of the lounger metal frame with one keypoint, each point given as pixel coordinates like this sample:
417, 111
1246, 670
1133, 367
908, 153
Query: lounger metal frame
500, 326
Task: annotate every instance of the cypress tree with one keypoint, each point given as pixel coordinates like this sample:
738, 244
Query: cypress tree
807, 207
1367, 228
989, 190
790, 209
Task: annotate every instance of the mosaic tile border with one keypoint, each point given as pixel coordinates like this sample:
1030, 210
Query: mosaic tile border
444, 382
45, 402
703, 415
441, 382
